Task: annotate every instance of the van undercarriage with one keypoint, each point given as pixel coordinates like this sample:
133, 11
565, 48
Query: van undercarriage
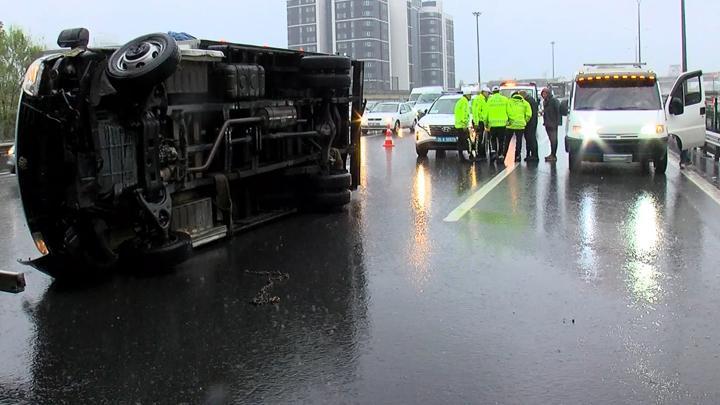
133, 156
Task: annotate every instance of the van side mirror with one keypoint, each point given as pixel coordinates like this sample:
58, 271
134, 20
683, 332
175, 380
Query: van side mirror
564, 107
74, 38
676, 106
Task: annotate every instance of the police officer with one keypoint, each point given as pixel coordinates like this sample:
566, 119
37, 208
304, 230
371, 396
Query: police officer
519, 113
496, 120
462, 121
478, 112
531, 144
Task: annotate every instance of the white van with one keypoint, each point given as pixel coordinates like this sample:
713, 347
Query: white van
423, 97
616, 114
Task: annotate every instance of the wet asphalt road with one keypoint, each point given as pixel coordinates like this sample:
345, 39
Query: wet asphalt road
601, 287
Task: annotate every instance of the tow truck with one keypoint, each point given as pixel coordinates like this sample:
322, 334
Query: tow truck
131, 156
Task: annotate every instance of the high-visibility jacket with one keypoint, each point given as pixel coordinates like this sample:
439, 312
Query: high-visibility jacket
478, 108
519, 112
462, 113
496, 111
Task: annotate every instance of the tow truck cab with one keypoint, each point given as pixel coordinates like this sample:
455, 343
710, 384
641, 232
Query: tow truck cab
132, 156
616, 114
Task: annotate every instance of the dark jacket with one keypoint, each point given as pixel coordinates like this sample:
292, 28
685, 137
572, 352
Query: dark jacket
534, 106
552, 115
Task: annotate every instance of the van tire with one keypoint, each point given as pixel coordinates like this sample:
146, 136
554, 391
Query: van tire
154, 69
661, 162
574, 161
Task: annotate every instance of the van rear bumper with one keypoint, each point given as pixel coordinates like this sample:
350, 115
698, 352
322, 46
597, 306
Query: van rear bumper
594, 150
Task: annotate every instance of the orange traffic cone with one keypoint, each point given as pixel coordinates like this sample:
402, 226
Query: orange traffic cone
388, 138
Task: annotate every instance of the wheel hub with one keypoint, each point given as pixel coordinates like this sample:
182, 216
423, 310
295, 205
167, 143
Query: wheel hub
139, 55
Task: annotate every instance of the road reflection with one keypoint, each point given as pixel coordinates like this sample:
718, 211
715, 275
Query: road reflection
420, 247
588, 260
642, 236
180, 338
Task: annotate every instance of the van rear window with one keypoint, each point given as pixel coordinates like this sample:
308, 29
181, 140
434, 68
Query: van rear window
615, 95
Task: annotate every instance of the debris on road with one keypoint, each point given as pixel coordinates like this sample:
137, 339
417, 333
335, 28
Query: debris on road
263, 296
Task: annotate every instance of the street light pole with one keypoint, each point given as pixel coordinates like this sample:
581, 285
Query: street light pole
477, 29
639, 55
684, 38
553, 59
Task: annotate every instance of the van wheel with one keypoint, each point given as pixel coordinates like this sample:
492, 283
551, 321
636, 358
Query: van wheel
661, 162
144, 61
575, 161
421, 152
151, 257
645, 165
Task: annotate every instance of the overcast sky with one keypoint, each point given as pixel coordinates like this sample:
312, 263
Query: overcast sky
515, 42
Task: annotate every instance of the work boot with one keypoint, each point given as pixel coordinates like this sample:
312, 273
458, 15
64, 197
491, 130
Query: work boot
551, 158
532, 159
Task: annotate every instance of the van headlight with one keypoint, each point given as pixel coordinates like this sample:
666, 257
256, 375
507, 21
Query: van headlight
33, 74
652, 130
586, 131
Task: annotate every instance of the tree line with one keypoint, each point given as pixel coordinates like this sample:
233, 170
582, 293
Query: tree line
17, 51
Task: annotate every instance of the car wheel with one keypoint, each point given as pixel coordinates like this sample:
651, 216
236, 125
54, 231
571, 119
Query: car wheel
144, 61
421, 152
575, 160
12, 169
397, 128
412, 128
661, 162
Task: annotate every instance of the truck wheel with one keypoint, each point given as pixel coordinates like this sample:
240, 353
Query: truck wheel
325, 63
326, 81
144, 61
575, 160
156, 258
661, 162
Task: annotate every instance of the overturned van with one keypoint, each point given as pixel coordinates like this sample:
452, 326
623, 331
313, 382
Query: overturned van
135, 155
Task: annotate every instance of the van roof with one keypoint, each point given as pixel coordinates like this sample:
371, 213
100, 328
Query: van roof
604, 68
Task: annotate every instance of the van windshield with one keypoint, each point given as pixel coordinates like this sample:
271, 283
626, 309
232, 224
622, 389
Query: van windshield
444, 106
428, 98
617, 95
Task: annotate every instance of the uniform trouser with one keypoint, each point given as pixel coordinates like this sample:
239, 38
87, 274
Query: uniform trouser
552, 135
530, 141
479, 136
462, 142
518, 134
497, 139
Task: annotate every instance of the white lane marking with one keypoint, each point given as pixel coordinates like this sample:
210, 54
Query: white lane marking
698, 180
468, 204
475, 198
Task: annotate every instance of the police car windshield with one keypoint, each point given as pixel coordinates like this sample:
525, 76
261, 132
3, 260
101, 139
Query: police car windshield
610, 95
428, 98
444, 106
386, 108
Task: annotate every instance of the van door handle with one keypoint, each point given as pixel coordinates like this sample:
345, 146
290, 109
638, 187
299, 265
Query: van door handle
702, 110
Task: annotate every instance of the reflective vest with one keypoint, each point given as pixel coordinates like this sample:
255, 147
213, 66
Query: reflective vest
478, 108
519, 112
496, 111
462, 113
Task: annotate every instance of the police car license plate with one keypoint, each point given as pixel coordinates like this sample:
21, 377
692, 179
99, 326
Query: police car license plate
447, 138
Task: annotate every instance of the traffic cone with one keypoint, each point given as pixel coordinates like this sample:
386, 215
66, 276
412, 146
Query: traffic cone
388, 138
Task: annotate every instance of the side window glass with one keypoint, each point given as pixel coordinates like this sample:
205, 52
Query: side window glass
692, 88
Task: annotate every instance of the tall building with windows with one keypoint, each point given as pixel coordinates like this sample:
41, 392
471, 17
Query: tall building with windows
386, 34
307, 25
437, 46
